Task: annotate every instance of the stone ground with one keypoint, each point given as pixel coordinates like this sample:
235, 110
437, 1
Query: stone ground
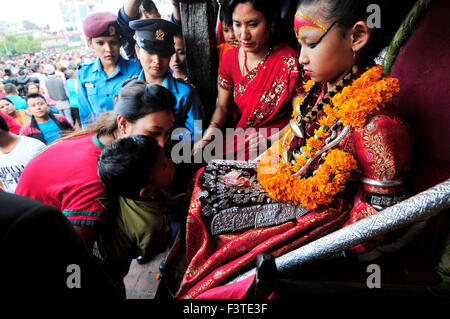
141, 281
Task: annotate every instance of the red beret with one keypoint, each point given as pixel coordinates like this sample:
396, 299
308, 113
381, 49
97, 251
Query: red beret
101, 24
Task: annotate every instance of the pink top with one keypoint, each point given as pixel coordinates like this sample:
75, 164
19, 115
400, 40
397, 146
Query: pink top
65, 176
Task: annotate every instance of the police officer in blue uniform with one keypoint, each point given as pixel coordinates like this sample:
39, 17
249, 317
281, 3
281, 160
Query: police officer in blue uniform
103, 77
154, 48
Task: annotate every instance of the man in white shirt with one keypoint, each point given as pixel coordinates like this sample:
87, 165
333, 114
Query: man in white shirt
15, 152
38, 72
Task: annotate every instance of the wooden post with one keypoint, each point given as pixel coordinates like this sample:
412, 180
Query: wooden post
198, 19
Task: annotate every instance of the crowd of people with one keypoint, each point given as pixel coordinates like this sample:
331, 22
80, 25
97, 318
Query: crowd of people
89, 131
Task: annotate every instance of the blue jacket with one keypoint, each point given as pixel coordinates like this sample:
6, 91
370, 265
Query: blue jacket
31, 129
188, 110
96, 90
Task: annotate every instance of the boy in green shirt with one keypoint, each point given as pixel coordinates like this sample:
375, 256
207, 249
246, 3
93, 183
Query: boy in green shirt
135, 172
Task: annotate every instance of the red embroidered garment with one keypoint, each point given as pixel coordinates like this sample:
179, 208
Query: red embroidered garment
382, 149
261, 94
263, 97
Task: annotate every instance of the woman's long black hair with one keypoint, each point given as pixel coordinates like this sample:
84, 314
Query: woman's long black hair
136, 100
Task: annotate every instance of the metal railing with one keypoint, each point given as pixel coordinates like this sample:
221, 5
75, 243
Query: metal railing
410, 211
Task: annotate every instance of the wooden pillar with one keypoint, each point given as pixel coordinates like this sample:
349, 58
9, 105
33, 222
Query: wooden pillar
198, 19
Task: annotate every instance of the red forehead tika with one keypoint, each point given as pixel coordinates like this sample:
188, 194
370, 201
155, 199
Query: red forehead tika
303, 21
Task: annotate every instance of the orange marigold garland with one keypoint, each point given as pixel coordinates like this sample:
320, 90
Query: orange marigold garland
299, 100
366, 95
309, 192
352, 106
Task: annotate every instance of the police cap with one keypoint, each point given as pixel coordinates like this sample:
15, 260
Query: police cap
155, 35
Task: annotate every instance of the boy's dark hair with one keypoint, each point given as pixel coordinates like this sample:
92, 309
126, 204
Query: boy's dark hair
35, 95
10, 88
125, 165
347, 12
225, 14
3, 124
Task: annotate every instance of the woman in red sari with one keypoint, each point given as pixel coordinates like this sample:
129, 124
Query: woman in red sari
259, 81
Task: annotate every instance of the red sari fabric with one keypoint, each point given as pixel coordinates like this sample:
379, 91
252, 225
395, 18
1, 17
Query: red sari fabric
262, 98
382, 149
261, 94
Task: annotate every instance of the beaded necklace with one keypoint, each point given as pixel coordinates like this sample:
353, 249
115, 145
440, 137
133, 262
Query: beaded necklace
300, 108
